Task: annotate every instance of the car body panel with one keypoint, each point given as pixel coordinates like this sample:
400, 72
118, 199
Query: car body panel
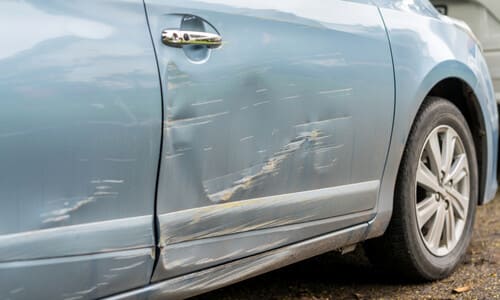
254, 139
203, 237
89, 276
425, 52
216, 277
282, 145
483, 16
95, 237
80, 129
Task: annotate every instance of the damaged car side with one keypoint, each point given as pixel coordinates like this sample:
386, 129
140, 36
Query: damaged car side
162, 149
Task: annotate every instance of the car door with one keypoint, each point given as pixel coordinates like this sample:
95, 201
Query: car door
279, 135
80, 134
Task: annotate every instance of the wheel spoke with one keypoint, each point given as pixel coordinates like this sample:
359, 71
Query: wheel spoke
436, 232
426, 209
458, 170
434, 152
461, 175
426, 179
458, 201
450, 227
448, 150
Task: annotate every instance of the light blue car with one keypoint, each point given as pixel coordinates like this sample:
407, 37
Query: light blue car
160, 149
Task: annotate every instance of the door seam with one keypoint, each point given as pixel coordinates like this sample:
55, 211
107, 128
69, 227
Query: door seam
156, 224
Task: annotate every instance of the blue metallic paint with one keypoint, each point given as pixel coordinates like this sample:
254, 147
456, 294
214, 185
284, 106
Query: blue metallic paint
219, 276
80, 129
247, 124
89, 276
233, 227
425, 52
80, 135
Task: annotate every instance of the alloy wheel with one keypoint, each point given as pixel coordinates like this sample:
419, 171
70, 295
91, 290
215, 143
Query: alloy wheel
442, 190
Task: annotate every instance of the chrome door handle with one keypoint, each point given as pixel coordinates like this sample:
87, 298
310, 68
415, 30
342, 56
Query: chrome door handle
178, 38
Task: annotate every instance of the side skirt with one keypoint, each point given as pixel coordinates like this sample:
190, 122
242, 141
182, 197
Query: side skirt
213, 278
188, 257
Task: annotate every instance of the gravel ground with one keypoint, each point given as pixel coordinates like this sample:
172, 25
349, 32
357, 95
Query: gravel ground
333, 276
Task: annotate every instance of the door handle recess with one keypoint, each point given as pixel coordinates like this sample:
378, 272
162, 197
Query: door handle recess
178, 38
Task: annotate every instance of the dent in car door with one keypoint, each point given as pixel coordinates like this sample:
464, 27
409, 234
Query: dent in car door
287, 123
80, 132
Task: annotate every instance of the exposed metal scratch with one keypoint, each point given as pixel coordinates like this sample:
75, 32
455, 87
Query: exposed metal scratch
261, 103
335, 91
173, 155
56, 219
184, 149
291, 97
102, 193
246, 138
87, 291
254, 177
112, 181
193, 124
103, 187
207, 102
194, 121
63, 213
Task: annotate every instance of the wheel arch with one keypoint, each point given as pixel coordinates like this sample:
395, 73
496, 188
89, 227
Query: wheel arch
469, 90
460, 93
458, 83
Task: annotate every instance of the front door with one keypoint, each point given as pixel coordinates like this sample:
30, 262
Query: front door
287, 123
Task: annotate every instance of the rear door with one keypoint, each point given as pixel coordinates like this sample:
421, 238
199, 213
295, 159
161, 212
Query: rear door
80, 134
287, 123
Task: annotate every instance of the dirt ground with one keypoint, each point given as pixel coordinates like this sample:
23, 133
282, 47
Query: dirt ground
333, 276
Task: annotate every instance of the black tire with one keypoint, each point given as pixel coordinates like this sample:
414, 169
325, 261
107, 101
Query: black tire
402, 248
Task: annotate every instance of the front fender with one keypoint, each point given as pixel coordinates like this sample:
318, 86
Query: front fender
427, 50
